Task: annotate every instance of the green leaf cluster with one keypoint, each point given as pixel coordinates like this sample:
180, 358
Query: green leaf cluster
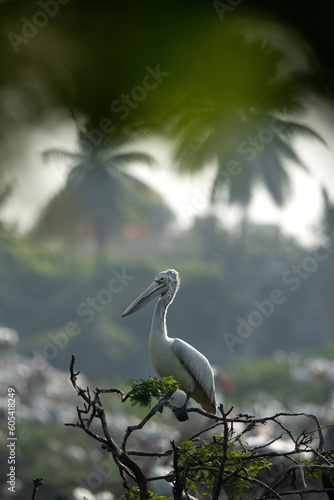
134, 494
203, 464
143, 391
317, 474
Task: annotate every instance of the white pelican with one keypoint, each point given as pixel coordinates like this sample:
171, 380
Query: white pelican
174, 356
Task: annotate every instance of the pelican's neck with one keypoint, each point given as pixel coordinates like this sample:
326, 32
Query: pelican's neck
159, 327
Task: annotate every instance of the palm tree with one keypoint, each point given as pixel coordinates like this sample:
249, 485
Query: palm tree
327, 222
246, 134
99, 197
241, 121
6, 189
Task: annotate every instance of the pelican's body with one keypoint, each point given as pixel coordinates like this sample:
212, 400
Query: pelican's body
171, 356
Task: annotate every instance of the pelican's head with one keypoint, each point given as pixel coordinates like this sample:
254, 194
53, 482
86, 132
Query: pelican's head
165, 283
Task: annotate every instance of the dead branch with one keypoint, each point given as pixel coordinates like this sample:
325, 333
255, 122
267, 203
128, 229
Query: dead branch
129, 470
37, 483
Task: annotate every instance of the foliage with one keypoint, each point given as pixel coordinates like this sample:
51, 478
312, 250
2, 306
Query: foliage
42, 289
6, 189
225, 136
134, 494
99, 196
209, 124
303, 378
43, 450
143, 391
203, 465
200, 464
47, 284
327, 222
206, 58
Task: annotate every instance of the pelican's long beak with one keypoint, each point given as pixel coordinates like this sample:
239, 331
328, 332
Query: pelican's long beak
150, 293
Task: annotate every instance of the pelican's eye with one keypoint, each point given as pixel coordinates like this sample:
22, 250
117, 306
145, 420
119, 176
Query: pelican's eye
162, 279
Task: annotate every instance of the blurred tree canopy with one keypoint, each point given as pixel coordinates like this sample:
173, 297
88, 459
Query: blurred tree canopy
99, 197
202, 73
135, 63
206, 74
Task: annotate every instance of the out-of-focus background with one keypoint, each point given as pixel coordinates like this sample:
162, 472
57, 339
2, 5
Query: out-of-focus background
141, 136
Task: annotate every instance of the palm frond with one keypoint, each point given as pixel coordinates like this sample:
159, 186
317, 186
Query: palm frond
143, 202
274, 177
5, 190
131, 157
292, 129
241, 188
61, 156
238, 187
325, 198
284, 149
328, 212
205, 138
195, 150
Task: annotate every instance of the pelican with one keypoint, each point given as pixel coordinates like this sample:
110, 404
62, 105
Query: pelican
175, 357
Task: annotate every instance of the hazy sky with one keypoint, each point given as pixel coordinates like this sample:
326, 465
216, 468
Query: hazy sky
188, 196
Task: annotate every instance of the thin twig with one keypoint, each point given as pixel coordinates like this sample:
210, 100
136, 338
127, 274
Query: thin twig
220, 480
297, 492
94, 409
262, 484
295, 467
128, 469
131, 428
178, 483
37, 482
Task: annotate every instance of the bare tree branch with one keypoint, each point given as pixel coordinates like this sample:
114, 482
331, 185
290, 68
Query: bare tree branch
224, 457
224, 470
37, 482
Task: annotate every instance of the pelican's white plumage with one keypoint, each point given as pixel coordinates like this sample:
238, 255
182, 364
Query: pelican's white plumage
171, 356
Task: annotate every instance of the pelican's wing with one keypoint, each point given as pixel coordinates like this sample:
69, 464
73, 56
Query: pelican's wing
200, 369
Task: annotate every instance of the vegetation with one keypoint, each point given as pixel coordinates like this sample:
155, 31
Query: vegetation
77, 214
292, 380
264, 369
205, 466
143, 391
226, 85
219, 284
